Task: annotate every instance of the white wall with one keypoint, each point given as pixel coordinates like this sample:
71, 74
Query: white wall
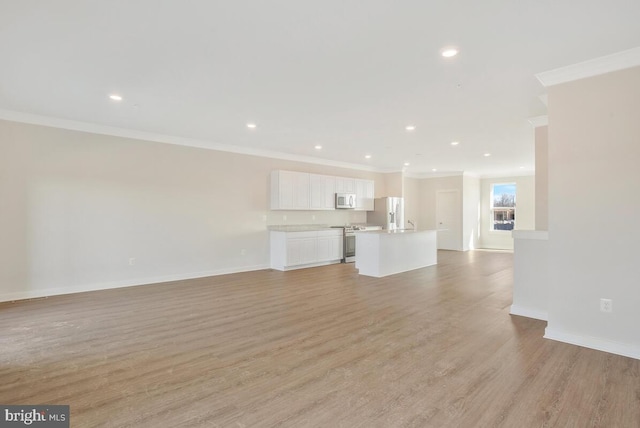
531, 274
471, 212
412, 196
525, 211
75, 206
394, 184
594, 205
428, 189
469, 190
542, 178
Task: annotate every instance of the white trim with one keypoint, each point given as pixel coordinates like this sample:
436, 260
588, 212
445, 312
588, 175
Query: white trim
539, 121
308, 265
594, 67
470, 174
34, 294
540, 235
500, 232
492, 209
494, 247
515, 174
544, 98
95, 128
624, 349
434, 174
529, 313
510, 175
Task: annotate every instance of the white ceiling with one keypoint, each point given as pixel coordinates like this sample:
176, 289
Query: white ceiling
349, 75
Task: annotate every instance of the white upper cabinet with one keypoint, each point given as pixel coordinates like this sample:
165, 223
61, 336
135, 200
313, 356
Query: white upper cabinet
345, 185
364, 194
322, 189
303, 191
289, 190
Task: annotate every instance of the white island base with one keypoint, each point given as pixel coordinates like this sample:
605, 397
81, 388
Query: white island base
387, 252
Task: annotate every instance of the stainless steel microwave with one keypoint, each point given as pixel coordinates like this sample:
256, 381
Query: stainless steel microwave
345, 200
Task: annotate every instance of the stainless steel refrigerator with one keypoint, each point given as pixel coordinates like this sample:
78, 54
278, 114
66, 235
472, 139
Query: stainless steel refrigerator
388, 213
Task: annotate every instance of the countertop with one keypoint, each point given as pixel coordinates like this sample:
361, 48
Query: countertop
393, 232
309, 227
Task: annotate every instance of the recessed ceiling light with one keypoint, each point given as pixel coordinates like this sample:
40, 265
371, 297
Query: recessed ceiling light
486, 155
521, 167
434, 169
317, 147
367, 156
449, 52
251, 125
455, 143
406, 164
410, 128
115, 97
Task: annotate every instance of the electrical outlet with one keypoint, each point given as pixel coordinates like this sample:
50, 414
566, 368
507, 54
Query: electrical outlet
243, 252
313, 217
284, 218
606, 305
264, 217
132, 261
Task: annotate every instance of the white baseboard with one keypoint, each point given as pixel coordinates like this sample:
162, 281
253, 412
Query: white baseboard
308, 265
47, 292
529, 313
624, 349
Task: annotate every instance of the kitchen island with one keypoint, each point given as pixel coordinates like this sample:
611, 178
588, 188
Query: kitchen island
387, 252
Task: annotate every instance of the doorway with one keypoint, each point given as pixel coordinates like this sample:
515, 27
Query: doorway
449, 220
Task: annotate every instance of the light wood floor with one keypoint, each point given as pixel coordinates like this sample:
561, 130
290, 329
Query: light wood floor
319, 347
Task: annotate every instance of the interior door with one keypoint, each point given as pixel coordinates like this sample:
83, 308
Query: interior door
449, 220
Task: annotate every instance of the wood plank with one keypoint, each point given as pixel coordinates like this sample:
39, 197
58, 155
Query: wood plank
313, 347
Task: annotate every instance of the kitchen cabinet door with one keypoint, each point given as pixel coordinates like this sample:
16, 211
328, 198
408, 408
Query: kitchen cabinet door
309, 251
345, 185
330, 245
301, 248
322, 190
294, 252
329, 192
364, 194
324, 248
335, 247
289, 190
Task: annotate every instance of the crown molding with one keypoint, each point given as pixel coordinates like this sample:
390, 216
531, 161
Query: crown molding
528, 173
95, 128
544, 99
442, 174
508, 174
594, 67
539, 121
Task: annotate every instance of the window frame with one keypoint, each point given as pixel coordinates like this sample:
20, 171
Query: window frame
492, 209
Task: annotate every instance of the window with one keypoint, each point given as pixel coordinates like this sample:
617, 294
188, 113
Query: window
503, 206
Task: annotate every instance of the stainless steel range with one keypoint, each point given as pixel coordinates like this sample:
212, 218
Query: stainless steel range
349, 241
